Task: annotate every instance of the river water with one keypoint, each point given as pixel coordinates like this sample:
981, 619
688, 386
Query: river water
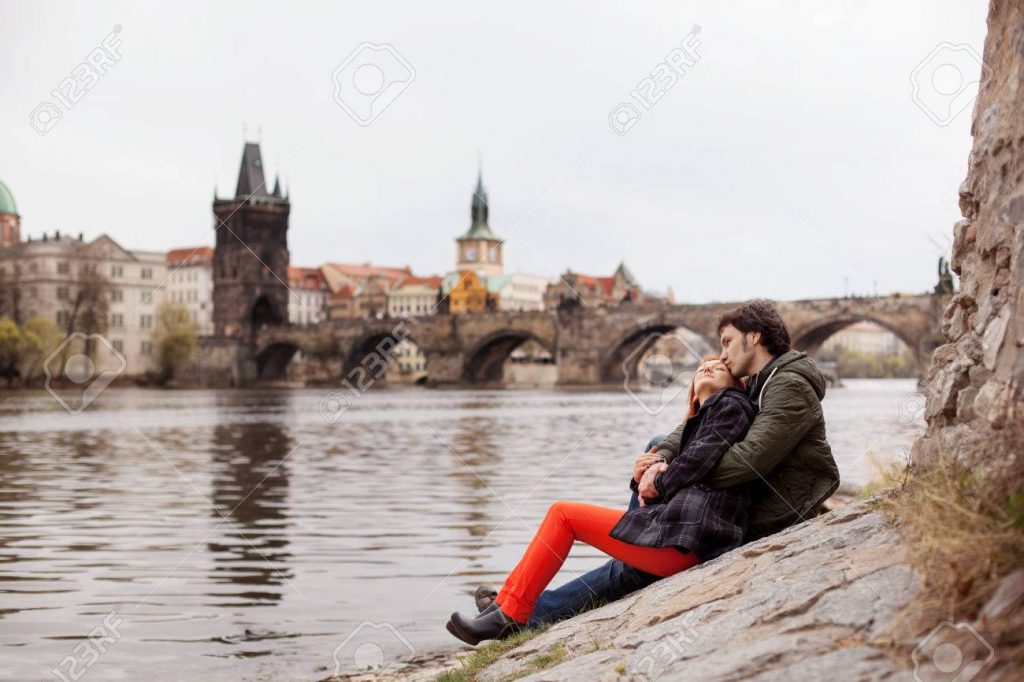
257, 535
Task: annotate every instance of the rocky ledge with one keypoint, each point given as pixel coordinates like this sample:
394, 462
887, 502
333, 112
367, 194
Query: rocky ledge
819, 598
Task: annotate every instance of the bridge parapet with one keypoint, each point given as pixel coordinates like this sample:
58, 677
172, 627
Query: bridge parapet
589, 345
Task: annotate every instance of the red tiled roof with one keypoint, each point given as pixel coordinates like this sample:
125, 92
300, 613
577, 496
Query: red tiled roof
366, 270
198, 255
432, 281
346, 291
602, 284
306, 278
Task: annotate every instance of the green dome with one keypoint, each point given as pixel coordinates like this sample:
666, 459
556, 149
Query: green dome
7, 200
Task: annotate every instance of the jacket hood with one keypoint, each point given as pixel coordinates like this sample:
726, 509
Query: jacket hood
792, 361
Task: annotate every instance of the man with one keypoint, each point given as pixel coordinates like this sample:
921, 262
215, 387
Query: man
784, 455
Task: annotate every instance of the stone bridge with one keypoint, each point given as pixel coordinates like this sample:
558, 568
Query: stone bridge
590, 345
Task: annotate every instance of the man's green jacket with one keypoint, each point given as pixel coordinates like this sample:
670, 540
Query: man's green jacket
784, 454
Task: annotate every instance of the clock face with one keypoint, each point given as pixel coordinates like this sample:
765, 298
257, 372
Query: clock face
469, 252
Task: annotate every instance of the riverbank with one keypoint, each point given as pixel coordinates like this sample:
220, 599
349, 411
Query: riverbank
837, 593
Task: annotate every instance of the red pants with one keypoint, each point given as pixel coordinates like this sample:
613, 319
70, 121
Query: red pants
565, 523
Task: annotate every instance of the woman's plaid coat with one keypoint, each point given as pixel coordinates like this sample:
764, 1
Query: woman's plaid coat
687, 514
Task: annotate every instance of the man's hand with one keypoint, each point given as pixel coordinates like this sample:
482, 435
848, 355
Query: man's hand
646, 483
643, 462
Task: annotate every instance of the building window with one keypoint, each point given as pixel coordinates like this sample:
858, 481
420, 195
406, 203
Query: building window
62, 319
146, 321
146, 348
63, 268
116, 320
62, 293
118, 345
116, 270
117, 295
147, 273
147, 296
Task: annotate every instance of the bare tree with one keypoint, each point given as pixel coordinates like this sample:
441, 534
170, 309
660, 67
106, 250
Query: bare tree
90, 306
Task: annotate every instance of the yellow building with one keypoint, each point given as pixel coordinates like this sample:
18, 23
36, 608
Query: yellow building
467, 293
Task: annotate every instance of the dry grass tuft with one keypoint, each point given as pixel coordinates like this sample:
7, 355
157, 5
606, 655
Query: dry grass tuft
961, 535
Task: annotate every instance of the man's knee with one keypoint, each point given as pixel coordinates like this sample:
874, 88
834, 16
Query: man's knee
654, 441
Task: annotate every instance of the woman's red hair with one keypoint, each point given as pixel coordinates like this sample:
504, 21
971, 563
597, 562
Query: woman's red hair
691, 400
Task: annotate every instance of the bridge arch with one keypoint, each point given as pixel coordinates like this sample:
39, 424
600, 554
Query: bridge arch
485, 360
621, 360
272, 362
811, 336
375, 343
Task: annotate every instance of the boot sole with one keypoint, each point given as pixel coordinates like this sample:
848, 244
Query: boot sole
459, 633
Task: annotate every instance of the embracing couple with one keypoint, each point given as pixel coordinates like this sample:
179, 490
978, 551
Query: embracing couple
749, 459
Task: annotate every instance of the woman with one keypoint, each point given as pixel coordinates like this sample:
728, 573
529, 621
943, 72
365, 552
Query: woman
681, 521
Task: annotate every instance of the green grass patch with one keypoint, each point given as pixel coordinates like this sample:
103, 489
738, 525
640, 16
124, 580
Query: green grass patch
548, 659
486, 654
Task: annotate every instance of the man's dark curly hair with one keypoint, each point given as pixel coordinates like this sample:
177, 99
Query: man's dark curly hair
759, 316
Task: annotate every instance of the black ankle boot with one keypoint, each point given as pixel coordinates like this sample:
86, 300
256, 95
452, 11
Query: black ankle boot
492, 625
484, 597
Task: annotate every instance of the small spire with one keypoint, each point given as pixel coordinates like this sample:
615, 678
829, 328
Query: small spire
478, 210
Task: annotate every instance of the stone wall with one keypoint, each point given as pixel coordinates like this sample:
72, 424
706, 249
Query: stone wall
975, 384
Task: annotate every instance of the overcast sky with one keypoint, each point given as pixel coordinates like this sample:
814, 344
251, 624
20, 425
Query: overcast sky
791, 160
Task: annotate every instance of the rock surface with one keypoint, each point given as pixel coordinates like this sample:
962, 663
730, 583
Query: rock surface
818, 598
975, 386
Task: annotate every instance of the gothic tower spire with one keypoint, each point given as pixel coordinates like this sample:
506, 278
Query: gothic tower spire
478, 210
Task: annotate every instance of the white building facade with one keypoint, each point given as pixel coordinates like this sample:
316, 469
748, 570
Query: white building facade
190, 284
308, 296
518, 291
49, 273
412, 300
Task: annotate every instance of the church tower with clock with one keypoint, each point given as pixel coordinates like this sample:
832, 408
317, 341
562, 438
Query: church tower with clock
479, 249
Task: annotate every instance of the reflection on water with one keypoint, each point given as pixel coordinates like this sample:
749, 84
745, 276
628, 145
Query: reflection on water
250, 480
238, 535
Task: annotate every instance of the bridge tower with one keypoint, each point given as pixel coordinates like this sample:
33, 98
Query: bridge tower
479, 248
250, 264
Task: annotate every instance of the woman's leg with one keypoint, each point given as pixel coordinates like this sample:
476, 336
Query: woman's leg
565, 523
